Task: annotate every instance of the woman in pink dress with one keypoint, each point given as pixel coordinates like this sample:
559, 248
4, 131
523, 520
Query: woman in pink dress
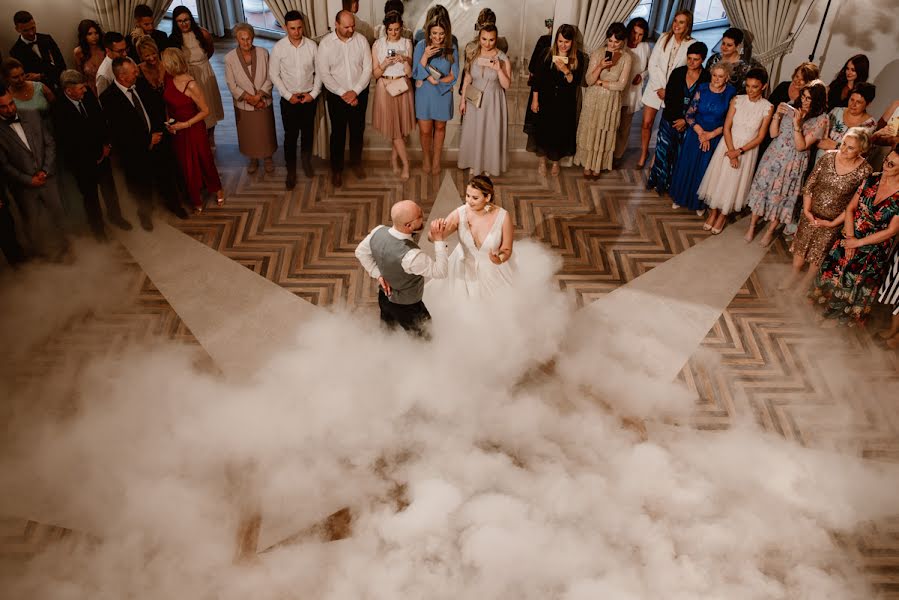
186, 104
89, 52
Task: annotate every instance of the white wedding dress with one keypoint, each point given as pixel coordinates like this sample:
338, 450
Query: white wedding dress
471, 272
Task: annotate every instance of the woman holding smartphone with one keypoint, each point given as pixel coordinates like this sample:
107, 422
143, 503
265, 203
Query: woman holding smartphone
393, 114
435, 68
488, 74
607, 76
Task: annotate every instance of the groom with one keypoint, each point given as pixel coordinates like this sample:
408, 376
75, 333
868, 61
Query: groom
390, 256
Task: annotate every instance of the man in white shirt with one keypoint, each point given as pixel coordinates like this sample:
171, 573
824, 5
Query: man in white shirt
344, 64
395, 260
116, 47
292, 70
362, 26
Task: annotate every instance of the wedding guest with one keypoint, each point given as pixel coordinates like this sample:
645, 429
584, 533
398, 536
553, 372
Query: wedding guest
485, 17
435, 68
483, 143
826, 195
669, 53
83, 140
136, 117
889, 294
115, 47
705, 124
151, 69
362, 27
28, 164
843, 118
887, 133
737, 54
393, 114
197, 45
29, 95
856, 266
344, 64
795, 128
89, 52
247, 76
630, 100
145, 25
438, 11
557, 78
854, 71
293, 71
726, 182
38, 52
396, 6
682, 84
607, 76
186, 103
787, 92
537, 55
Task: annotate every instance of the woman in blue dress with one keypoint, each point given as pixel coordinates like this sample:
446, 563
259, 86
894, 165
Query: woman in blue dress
435, 68
705, 124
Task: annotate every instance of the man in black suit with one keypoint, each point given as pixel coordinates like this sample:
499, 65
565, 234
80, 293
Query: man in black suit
144, 24
83, 139
136, 116
37, 52
9, 243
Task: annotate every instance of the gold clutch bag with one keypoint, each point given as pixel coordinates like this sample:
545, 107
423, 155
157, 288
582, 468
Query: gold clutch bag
474, 95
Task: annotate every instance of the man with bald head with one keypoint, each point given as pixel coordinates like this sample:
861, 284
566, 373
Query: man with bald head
344, 63
390, 255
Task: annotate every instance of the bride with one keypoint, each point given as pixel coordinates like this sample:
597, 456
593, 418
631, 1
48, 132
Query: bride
479, 266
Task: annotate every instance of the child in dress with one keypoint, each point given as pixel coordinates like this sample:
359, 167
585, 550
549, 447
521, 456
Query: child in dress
726, 182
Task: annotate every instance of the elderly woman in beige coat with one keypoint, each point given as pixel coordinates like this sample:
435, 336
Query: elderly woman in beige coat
246, 72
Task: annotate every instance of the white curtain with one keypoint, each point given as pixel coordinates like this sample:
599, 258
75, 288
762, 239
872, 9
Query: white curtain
118, 15
315, 11
661, 15
770, 22
219, 16
596, 16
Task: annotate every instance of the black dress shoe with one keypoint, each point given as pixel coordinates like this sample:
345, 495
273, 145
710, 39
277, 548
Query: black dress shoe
337, 179
122, 224
146, 222
179, 212
291, 181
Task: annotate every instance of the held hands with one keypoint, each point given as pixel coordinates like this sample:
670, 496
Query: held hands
350, 98
39, 179
735, 162
437, 230
732, 154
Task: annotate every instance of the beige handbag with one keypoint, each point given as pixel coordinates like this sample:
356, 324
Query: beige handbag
395, 87
474, 95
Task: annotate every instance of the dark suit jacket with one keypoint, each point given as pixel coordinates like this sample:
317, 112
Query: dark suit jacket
160, 37
19, 162
127, 127
49, 65
80, 140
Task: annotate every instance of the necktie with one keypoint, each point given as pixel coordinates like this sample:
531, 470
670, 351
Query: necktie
81, 110
139, 106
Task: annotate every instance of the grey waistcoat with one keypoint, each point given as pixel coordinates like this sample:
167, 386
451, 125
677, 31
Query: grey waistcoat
388, 253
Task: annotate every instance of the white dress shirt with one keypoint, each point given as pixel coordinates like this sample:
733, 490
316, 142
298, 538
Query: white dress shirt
293, 68
17, 127
131, 100
104, 75
34, 46
415, 262
344, 66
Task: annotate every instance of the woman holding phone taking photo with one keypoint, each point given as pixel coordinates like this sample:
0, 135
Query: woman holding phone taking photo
393, 114
488, 74
435, 68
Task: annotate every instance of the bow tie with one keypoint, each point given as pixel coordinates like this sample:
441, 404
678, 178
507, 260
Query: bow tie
34, 43
13, 120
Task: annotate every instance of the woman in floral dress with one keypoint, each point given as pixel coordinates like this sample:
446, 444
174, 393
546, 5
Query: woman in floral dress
776, 186
842, 118
857, 265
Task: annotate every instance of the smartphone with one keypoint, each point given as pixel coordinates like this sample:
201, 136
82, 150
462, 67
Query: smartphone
562, 59
608, 55
483, 61
391, 52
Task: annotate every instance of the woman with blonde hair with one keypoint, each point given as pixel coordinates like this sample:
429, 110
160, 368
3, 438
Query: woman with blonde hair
670, 52
150, 66
393, 113
186, 104
247, 76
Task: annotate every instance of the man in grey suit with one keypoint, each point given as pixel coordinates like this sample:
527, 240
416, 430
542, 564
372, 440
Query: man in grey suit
395, 260
28, 162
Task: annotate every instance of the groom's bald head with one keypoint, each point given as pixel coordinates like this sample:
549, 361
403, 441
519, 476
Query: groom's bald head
406, 216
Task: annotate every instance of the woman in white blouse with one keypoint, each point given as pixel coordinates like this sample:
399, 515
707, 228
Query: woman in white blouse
630, 98
246, 72
669, 53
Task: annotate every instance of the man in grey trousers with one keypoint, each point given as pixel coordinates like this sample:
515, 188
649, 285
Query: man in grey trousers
390, 255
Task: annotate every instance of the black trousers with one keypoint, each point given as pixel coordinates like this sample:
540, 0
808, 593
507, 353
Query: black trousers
159, 172
343, 115
299, 122
12, 250
90, 179
411, 317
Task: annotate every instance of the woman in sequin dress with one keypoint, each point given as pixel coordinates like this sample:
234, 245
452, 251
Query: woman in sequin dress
856, 266
827, 193
778, 181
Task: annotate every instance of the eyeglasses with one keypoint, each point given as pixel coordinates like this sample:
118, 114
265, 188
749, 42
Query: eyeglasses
182, 21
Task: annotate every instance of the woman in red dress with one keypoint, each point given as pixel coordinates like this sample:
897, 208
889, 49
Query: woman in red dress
186, 104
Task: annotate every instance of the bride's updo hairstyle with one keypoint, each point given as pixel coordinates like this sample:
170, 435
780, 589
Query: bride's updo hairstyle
483, 184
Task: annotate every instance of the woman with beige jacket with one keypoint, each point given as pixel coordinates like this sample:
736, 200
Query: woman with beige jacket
246, 73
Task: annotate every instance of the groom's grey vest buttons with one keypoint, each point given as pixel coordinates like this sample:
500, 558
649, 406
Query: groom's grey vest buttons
388, 253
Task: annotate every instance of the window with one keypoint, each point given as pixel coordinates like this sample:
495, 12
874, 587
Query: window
709, 13
642, 10
260, 16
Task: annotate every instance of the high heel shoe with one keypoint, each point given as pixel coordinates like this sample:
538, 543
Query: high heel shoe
706, 227
220, 200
